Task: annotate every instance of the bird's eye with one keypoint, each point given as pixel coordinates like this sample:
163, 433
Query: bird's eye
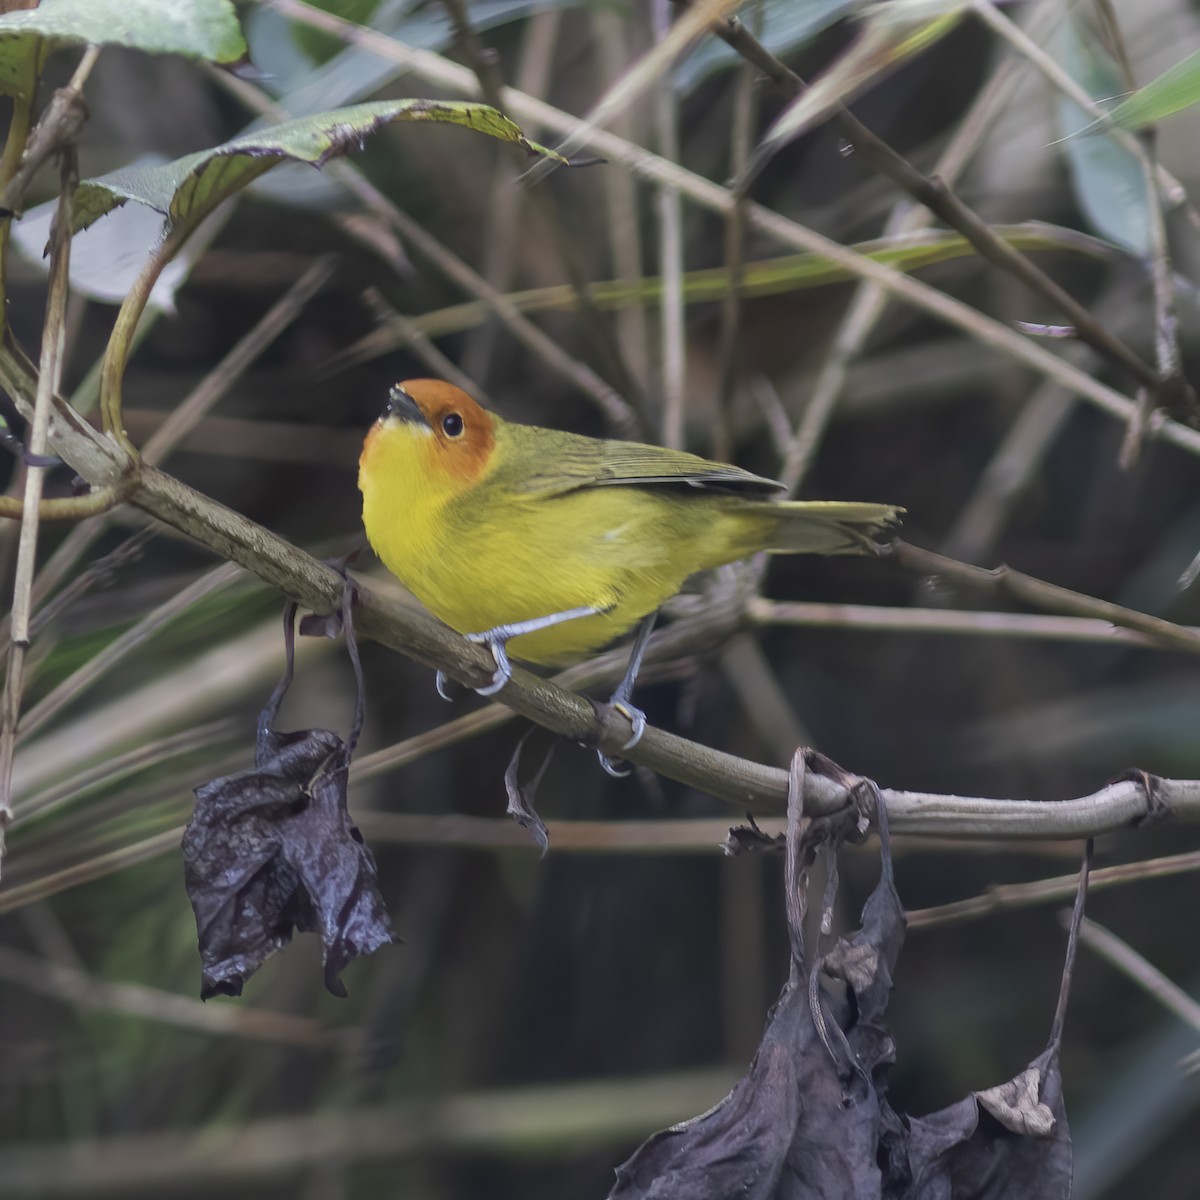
452, 425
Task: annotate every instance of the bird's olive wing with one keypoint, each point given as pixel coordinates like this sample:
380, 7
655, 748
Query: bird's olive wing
578, 462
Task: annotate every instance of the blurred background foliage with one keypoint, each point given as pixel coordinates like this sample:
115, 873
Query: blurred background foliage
542, 1017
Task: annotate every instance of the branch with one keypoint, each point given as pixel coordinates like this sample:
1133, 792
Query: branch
742, 782
877, 618
1043, 595
1002, 896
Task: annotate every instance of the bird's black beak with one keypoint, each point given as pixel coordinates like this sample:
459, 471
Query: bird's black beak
400, 404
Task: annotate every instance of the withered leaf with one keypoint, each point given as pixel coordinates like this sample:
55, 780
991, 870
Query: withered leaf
811, 1119
272, 849
807, 1120
1007, 1143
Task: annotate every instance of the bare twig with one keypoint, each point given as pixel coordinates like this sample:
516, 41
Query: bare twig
412, 336
640, 77
73, 986
1002, 896
50, 369
670, 247
487, 71
76, 684
741, 132
621, 199
1147, 976
1047, 596
1166, 324
943, 621
937, 195
506, 203
234, 365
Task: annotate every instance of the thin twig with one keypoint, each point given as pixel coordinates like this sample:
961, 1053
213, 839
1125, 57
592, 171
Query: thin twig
741, 132
503, 211
669, 205
416, 340
187, 415
1148, 977
942, 621
937, 195
77, 683
50, 372
1166, 324
73, 986
621, 199
1003, 896
491, 82
641, 76
1047, 596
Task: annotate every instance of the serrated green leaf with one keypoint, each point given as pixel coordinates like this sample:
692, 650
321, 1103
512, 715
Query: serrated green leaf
189, 188
1175, 89
1109, 185
205, 29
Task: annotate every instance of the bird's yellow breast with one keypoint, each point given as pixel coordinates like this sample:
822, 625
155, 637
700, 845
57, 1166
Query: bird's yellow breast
480, 553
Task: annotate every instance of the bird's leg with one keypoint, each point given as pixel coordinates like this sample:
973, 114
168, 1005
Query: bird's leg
620, 698
497, 639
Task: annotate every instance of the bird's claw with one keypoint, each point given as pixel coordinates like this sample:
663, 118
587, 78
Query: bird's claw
637, 722
636, 719
503, 672
610, 766
439, 682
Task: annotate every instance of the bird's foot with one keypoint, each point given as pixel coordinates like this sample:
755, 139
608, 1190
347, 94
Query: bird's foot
637, 726
501, 675
503, 671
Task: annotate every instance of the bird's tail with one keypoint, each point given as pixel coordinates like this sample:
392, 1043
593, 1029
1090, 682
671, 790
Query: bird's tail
824, 526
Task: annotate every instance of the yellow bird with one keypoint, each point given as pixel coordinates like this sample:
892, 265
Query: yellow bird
552, 544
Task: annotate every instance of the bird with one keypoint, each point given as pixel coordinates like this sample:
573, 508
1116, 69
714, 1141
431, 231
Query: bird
551, 545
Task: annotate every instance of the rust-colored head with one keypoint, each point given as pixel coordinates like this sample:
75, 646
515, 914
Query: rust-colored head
455, 436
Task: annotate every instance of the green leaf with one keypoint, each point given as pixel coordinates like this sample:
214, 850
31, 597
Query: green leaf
197, 28
1108, 181
188, 189
763, 277
1175, 89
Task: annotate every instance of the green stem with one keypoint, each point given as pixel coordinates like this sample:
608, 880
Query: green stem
122, 339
